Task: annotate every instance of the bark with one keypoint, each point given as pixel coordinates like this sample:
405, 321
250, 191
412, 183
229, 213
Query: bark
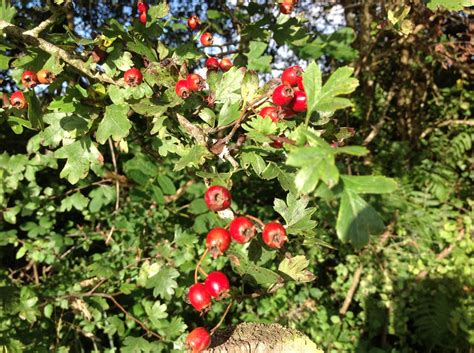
261, 338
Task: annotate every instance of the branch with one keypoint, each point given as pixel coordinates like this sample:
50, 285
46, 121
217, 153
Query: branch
31, 38
376, 129
351, 292
180, 192
447, 123
192, 129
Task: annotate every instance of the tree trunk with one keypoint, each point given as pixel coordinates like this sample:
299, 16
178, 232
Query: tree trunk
261, 338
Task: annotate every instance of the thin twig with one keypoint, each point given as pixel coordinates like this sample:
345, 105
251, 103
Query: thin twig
20, 35
222, 318
351, 292
180, 192
198, 266
117, 183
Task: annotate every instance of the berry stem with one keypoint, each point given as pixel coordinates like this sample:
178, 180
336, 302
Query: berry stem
222, 318
198, 266
255, 219
204, 273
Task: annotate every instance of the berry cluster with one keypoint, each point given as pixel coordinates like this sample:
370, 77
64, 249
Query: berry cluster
195, 82
287, 6
30, 79
142, 8
289, 98
217, 286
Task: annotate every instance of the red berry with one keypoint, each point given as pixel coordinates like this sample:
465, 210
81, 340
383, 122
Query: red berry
18, 100
274, 235
242, 230
286, 8
217, 285
225, 64
133, 77
277, 144
299, 102
300, 83
142, 6
45, 77
199, 297
182, 89
207, 39
198, 340
282, 95
195, 82
217, 198
29, 79
143, 18
290, 75
218, 241
194, 22
271, 112
212, 63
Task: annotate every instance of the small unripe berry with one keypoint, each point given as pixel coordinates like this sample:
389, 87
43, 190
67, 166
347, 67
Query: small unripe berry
207, 39
194, 22
195, 82
291, 74
182, 89
242, 230
217, 285
226, 64
18, 100
218, 241
282, 95
217, 198
270, 112
274, 235
212, 63
29, 79
45, 77
133, 77
198, 340
199, 297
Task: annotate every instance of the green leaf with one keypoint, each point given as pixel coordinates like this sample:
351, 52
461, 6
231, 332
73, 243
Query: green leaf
250, 271
194, 157
155, 312
258, 129
163, 283
357, 220
35, 113
295, 269
369, 184
229, 113
115, 123
166, 184
100, 197
296, 214
255, 160
159, 11
353, 150
312, 81
208, 116
256, 60
228, 87
455, 5
7, 12
80, 155
249, 87
135, 345
76, 200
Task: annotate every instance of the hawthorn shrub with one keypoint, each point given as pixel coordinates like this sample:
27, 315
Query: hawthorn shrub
156, 187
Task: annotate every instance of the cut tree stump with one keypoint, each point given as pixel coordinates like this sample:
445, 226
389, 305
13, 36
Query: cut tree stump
261, 338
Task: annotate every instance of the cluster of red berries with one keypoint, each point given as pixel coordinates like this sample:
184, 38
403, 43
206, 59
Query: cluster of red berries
30, 79
289, 98
217, 286
195, 82
287, 6
142, 8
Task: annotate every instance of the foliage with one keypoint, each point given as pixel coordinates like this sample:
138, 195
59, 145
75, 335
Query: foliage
101, 184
